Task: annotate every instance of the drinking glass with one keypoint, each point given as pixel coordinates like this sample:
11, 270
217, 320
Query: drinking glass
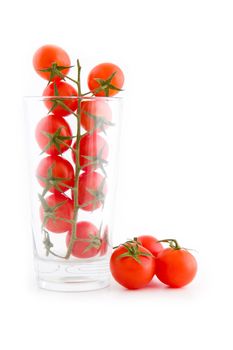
73, 165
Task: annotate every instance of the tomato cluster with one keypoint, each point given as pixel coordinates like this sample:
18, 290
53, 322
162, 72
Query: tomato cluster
134, 263
79, 182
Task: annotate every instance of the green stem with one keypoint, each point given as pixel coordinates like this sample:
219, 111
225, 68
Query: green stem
87, 93
71, 79
77, 168
54, 254
172, 243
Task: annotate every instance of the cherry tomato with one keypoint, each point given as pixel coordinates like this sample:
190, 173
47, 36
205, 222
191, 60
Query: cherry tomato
133, 267
104, 242
47, 55
55, 208
87, 242
62, 94
93, 152
107, 75
92, 189
95, 115
150, 243
175, 267
53, 135
55, 174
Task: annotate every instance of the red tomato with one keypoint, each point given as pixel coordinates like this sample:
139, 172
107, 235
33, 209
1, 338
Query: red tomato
95, 115
150, 243
101, 76
55, 174
104, 242
93, 151
55, 208
130, 267
53, 135
87, 242
47, 55
63, 90
91, 191
175, 267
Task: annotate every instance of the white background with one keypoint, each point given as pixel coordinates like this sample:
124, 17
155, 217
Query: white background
176, 170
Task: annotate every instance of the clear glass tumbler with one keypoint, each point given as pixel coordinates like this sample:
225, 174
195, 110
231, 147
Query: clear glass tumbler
73, 165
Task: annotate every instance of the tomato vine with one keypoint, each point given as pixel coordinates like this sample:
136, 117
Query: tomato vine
56, 139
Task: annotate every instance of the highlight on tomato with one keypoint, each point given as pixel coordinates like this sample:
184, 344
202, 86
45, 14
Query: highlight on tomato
53, 135
105, 79
61, 102
51, 62
87, 240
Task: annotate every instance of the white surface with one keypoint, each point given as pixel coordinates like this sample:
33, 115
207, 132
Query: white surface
176, 170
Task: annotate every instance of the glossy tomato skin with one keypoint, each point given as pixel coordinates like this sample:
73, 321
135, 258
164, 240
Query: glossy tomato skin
64, 90
51, 124
99, 109
46, 55
151, 243
89, 182
175, 267
61, 168
86, 233
130, 273
64, 211
91, 145
104, 71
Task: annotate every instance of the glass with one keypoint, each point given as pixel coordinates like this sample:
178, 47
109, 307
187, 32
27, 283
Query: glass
73, 165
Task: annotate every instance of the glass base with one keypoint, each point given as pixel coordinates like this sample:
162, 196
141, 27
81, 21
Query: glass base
78, 276
66, 286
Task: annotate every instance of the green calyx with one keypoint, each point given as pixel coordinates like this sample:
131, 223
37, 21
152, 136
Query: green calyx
97, 161
93, 240
133, 251
105, 85
56, 140
55, 71
48, 245
100, 122
47, 242
98, 194
49, 211
52, 181
59, 101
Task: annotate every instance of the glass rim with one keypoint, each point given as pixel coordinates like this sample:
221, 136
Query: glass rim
99, 98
